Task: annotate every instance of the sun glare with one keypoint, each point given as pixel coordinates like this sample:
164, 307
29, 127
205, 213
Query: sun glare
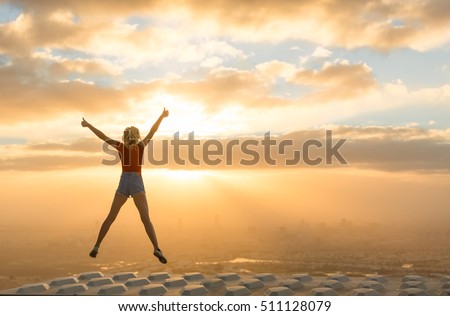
186, 117
183, 174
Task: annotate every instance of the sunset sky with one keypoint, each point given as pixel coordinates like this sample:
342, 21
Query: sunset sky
375, 72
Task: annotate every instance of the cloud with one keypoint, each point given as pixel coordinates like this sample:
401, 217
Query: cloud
253, 88
225, 86
321, 52
80, 145
115, 7
47, 163
276, 68
29, 92
379, 24
44, 92
60, 67
12, 140
212, 62
39, 87
93, 35
200, 52
347, 24
391, 149
30, 96
398, 148
105, 36
337, 81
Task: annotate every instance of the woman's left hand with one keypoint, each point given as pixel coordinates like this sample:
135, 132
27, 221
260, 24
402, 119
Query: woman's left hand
84, 123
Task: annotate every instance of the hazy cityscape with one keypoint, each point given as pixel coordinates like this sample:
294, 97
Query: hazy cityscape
38, 254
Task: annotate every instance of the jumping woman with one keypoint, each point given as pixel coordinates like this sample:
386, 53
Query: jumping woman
131, 183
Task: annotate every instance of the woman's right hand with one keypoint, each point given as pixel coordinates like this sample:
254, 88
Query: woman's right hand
165, 113
84, 123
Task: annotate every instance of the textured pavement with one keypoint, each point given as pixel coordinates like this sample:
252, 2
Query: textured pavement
233, 284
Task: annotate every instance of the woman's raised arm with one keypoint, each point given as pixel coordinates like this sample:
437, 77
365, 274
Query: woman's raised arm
155, 127
98, 133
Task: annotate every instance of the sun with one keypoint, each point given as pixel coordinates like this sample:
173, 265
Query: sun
186, 117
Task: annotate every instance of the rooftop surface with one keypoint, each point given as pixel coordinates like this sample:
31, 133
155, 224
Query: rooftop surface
234, 284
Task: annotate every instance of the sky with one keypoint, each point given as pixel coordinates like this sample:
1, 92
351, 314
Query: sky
375, 72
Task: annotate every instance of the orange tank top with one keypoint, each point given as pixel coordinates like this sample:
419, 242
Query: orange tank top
131, 158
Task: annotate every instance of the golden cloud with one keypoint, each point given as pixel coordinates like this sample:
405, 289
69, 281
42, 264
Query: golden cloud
81, 145
379, 24
25, 97
393, 149
29, 91
338, 81
47, 163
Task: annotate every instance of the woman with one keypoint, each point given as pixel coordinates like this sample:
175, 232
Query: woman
131, 184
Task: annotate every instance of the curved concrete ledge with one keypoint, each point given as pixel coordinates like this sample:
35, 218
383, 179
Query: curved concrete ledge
338, 277
159, 276
227, 277
112, 289
374, 285
32, 288
175, 282
279, 291
265, 277
72, 289
137, 282
376, 277
63, 281
292, 284
100, 281
323, 291
302, 277
413, 291
153, 290
194, 290
417, 278
252, 284
332, 284
193, 276
213, 283
90, 275
413, 284
365, 292
123, 276
238, 290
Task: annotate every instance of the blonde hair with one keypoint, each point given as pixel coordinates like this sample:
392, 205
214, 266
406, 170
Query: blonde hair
131, 136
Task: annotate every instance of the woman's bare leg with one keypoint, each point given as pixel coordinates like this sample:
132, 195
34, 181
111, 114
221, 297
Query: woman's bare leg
140, 200
118, 201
